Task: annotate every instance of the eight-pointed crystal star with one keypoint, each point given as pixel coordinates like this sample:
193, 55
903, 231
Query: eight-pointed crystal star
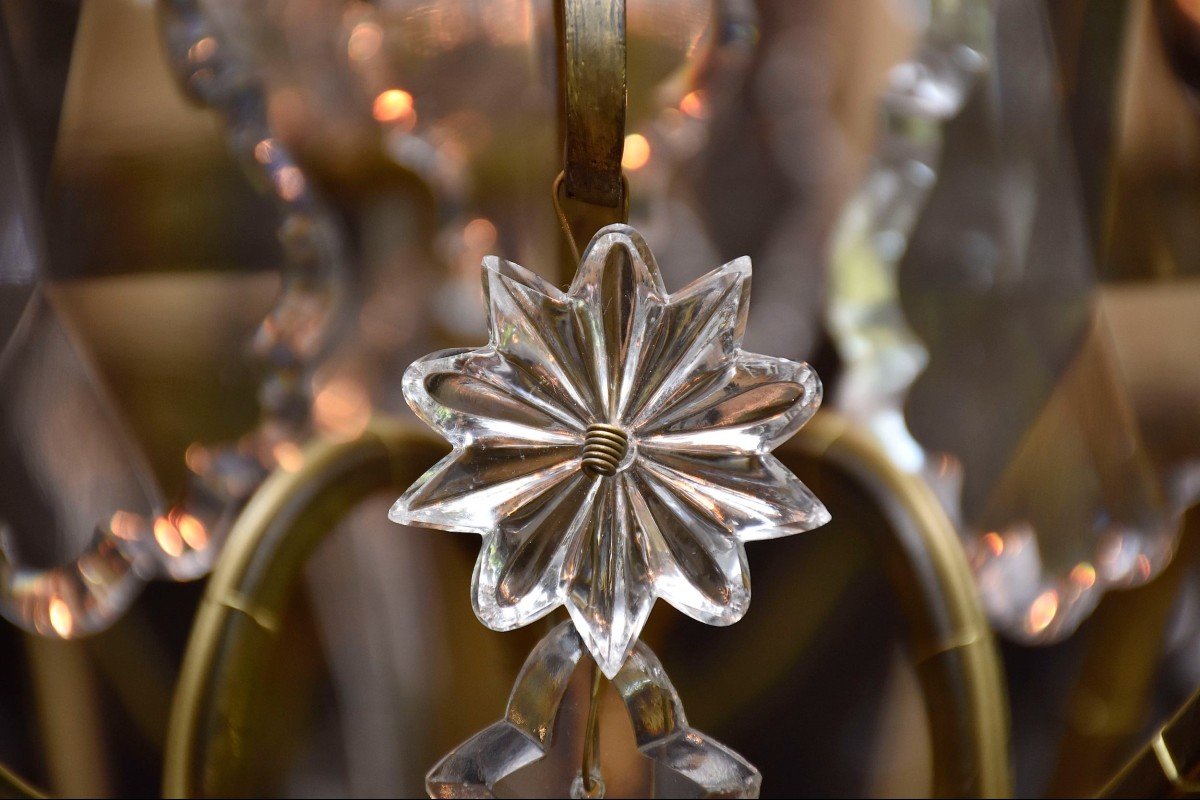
612, 445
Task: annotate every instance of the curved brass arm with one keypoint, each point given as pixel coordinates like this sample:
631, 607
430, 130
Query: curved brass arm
249, 589
239, 618
949, 637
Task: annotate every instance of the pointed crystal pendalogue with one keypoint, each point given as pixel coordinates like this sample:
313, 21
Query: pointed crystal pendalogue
83, 524
979, 345
687, 476
686, 763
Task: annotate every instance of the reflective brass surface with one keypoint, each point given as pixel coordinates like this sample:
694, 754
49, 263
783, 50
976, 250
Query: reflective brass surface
593, 64
950, 640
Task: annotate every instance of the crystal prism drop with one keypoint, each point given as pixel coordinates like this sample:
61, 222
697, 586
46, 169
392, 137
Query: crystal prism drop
685, 762
974, 332
78, 502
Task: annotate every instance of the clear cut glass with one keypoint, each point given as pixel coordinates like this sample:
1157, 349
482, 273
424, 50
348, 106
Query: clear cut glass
686, 474
981, 345
684, 762
77, 501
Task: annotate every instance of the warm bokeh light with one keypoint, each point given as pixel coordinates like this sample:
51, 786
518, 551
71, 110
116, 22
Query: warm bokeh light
1083, 575
264, 151
168, 538
364, 41
192, 530
693, 105
342, 408
60, 617
197, 458
288, 456
479, 234
125, 525
392, 105
1043, 610
637, 152
202, 50
994, 542
289, 182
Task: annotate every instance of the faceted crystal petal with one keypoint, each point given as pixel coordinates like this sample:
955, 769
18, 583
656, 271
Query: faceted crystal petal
753, 497
692, 419
474, 489
516, 575
539, 330
750, 409
697, 336
699, 567
477, 396
621, 296
606, 582
695, 764
524, 735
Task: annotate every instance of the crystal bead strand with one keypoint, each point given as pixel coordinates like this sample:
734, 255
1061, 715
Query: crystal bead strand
881, 353
294, 336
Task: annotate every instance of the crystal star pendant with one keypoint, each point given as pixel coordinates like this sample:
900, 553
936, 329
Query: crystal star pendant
612, 445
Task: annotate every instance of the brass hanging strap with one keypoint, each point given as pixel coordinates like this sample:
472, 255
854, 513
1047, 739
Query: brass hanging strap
580, 220
590, 192
593, 64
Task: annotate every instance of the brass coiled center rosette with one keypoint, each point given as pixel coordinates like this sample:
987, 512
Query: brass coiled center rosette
604, 447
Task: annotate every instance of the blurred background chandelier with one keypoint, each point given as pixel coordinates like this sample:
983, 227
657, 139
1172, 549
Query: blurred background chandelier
230, 225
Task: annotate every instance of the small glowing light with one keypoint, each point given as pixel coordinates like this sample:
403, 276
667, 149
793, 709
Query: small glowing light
264, 151
60, 617
197, 458
288, 456
1143, 567
168, 538
1042, 611
1083, 575
994, 542
289, 182
693, 105
342, 409
364, 41
392, 105
203, 49
637, 152
192, 530
125, 525
479, 234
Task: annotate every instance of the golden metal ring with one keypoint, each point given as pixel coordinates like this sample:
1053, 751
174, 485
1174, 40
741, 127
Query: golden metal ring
953, 648
949, 636
249, 589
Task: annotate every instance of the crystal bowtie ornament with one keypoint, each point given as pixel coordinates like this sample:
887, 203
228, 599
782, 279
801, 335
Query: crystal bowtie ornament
685, 762
612, 445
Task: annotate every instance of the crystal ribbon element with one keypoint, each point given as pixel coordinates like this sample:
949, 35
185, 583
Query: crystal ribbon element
687, 763
612, 445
